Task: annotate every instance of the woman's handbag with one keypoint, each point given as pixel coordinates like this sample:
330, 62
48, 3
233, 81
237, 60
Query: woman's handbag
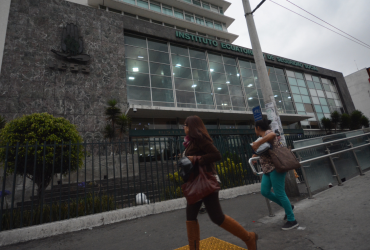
283, 159
201, 186
186, 167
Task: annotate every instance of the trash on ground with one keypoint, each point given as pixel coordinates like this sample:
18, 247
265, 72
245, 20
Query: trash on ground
301, 228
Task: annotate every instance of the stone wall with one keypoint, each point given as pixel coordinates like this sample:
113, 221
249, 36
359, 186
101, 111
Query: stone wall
28, 85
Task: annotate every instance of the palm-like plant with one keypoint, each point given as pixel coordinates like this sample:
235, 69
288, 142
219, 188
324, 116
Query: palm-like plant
2, 122
109, 132
123, 122
112, 113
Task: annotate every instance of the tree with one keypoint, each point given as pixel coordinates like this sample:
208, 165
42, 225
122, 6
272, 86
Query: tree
356, 120
2, 122
109, 132
335, 118
112, 112
345, 121
326, 123
41, 162
123, 122
115, 117
364, 121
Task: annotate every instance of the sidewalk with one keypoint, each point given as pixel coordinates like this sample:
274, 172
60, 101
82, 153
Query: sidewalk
335, 219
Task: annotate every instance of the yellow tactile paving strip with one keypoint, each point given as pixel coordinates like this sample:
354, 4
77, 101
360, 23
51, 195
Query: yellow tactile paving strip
213, 243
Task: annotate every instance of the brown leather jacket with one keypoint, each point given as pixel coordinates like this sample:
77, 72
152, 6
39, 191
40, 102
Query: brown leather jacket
207, 154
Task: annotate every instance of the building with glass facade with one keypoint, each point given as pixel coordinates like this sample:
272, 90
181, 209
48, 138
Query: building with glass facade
162, 60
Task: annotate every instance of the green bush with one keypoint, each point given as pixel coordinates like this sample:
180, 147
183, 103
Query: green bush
40, 129
231, 175
58, 211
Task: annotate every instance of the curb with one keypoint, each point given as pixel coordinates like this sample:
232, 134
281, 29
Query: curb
86, 222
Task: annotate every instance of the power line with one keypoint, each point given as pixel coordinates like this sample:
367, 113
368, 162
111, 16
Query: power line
327, 23
321, 25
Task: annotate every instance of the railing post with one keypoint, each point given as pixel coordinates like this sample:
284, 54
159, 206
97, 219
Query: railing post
334, 168
358, 163
305, 179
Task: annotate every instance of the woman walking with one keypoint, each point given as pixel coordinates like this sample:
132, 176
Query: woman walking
271, 178
203, 154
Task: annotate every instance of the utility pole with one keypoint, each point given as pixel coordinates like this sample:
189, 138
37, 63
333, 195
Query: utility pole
268, 95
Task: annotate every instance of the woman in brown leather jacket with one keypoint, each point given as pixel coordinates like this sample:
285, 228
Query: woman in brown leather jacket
201, 151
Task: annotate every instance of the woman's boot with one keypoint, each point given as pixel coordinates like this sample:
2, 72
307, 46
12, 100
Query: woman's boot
232, 226
193, 234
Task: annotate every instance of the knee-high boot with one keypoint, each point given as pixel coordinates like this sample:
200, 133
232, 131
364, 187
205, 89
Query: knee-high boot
232, 226
193, 234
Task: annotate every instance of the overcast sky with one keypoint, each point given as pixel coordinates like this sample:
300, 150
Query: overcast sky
288, 35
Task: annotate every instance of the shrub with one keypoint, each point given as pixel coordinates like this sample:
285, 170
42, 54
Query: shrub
231, 174
364, 121
41, 162
345, 121
58, 211
356, 120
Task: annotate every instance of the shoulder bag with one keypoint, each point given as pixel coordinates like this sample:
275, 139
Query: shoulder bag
283, 159
199, 187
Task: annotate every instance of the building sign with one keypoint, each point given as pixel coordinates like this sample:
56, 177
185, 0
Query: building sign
241, 50
72, 50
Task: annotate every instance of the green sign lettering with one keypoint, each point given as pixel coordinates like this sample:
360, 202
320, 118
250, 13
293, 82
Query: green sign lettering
241, 50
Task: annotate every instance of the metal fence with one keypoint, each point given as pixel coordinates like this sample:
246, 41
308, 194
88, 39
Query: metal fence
50, 182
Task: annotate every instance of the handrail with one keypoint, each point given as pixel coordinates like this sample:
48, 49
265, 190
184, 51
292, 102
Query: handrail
252, 167
330, 142
335, 153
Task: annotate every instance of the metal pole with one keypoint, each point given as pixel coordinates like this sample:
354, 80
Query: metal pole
258, 56
268, 95
271, 214
358, 163
334, 168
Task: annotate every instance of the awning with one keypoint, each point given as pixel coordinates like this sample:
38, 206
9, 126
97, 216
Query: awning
208, 114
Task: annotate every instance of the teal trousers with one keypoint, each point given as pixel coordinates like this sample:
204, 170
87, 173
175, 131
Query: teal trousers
277, 181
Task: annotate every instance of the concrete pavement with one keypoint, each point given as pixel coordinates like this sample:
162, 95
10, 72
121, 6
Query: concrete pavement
338, 218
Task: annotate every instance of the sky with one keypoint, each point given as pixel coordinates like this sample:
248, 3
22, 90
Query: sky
288, 35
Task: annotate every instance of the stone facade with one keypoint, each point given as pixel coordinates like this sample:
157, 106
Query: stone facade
28, 85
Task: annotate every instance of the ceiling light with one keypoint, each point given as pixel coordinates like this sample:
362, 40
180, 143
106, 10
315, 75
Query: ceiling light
275, 95
131, 78
250, 98
289, 97
193, 86
227, 82
178, 65
250, 85
135, 69
219, 88
237, 74
279, 101
135, 148
212, 70
141, 57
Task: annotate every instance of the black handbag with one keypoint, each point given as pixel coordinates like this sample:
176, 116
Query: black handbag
186, 167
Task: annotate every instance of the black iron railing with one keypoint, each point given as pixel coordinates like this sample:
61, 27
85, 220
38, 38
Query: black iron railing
50, 182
